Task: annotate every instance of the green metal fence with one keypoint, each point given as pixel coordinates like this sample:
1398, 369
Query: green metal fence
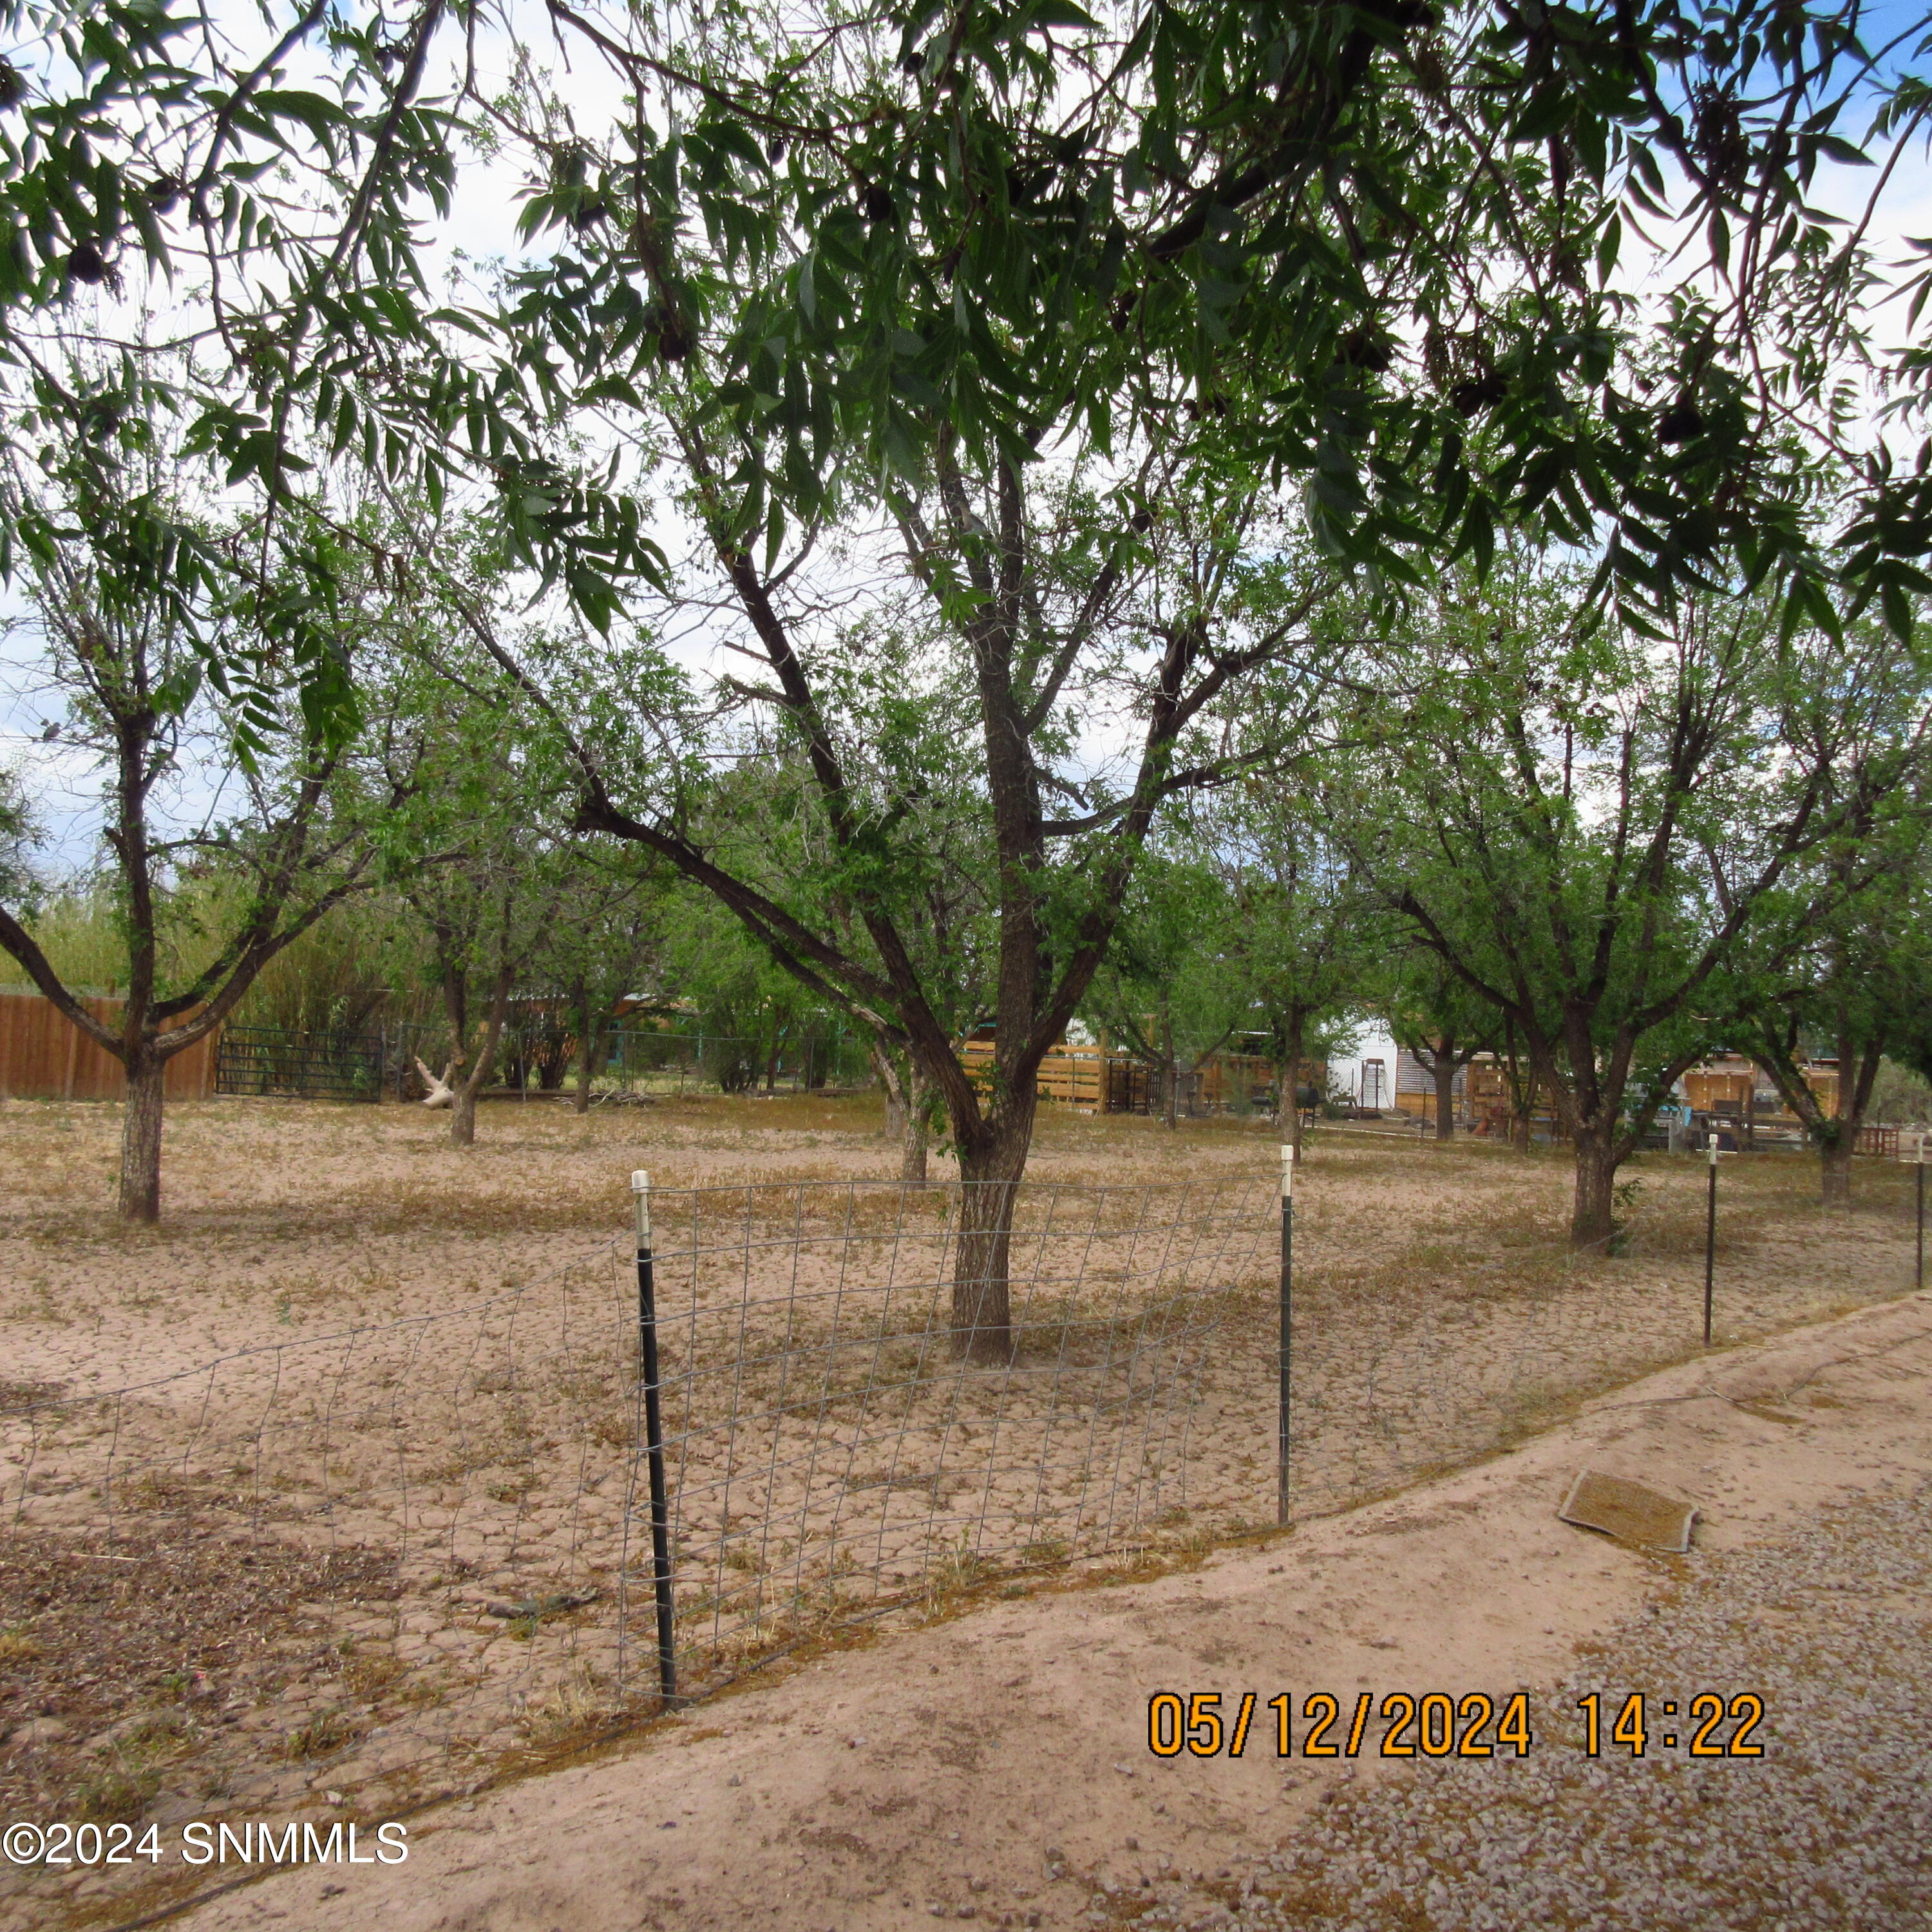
266, 1061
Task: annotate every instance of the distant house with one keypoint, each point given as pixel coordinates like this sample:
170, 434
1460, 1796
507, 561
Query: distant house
1734, 1087
1732, 1092
1415, 1086
1730, 1089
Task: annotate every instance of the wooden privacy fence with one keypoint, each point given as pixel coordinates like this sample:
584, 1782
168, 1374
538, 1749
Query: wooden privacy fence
1092, 1079
44, 1057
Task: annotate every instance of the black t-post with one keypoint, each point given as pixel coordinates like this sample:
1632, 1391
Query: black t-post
647, 1350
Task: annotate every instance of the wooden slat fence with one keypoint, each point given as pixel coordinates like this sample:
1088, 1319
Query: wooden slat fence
44, 1057
1093, 1081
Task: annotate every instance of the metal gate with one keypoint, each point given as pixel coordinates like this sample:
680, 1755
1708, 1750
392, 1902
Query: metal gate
264, 1061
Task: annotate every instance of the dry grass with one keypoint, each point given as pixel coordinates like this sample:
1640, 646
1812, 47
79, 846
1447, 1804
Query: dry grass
138, 1650
577, 1708
320, 1736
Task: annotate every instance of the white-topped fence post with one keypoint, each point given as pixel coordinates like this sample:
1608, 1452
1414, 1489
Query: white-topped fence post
1287, 1313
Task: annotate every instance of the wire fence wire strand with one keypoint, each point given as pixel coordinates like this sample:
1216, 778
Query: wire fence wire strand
1407, 1369
315, 1534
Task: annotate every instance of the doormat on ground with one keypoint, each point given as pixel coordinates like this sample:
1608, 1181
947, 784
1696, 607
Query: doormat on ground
1628, 1511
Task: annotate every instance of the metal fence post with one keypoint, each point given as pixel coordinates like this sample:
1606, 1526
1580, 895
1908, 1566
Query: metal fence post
1287, 1308
1710, 1236
647, 1348
1919, 1266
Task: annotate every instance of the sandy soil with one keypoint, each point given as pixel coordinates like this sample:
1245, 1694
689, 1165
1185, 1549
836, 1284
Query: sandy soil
437, 1415
997, 1767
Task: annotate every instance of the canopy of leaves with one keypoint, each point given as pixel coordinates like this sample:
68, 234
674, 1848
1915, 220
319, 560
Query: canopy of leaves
1375, 248
1581, 823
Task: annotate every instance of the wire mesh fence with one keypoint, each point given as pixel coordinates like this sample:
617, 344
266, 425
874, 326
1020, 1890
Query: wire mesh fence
434, 1532
361, 1555
1443, 1357
315, 1065
393, 1558
829, 1450
655, 1060
539, 1057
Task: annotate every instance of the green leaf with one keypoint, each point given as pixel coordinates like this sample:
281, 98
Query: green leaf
1834, 148
1609, 242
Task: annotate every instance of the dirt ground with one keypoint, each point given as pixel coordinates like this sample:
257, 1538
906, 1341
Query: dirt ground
997, 1767
414, 1623
308, 1217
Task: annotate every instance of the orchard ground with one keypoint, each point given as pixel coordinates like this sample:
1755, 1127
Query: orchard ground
1439, 1320
282, 1215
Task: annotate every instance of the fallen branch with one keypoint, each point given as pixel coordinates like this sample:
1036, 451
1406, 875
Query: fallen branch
441, 1093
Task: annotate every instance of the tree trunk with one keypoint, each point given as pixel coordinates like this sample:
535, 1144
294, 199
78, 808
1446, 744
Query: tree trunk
1520, 1098
589, 1038
990, 1168
1445, 1097
553, 1063
463, 1109
1288, 1090
141, 1141
1858, 1062
908, 1126
456, 1011
1836, 1133
1591, 1225
1170, 1069
913, 1130
1834, 1159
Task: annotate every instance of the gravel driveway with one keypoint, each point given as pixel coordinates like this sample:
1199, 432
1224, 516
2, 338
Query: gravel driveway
1829, 1829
